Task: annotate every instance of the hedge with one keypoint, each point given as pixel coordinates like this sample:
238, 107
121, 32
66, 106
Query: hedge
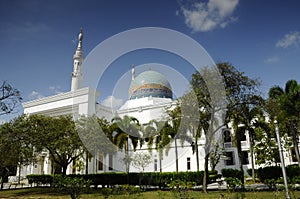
149, 178
232, 173
269, 173
40, 179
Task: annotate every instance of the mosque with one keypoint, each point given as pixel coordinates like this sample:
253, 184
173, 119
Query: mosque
150, 93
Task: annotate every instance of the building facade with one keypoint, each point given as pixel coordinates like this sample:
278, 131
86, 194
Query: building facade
149, 95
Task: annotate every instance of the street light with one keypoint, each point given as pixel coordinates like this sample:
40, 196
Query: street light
282, 160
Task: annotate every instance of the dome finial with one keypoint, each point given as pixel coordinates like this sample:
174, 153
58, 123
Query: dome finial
80, 36
132, 72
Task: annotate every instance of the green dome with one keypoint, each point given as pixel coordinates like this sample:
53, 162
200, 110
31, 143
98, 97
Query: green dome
150, 83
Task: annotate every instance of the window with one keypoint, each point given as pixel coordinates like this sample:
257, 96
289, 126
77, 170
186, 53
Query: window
245, 158
188, 163
100, 162
242, 134
227, 135
110, 162
155, 164
229, 159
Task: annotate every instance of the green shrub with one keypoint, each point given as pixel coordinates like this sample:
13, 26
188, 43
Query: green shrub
150, 178
293, 171
269, 173
40, 179
232, 173
72, 185
233, 183
180, 188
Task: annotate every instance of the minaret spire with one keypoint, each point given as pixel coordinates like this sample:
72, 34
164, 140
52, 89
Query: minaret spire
77, 63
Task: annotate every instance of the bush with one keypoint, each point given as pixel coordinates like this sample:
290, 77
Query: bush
249, 172
151, 178
71, 185
232, 173
40, 179
269, 173
233, 183
293, 171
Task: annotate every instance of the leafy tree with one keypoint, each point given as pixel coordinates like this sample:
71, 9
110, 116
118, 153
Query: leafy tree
215, 156
141, 161
266, 149
240, 91
10, 97
242, 95
210, 93
96, 136
14, 148
56, 135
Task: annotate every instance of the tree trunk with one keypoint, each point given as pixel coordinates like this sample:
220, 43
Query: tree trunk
160, 160
252, 156
176, 154
86, 163
295, 142
2, 183
64, 170
197, 154
239, 150
19, 177
205, 174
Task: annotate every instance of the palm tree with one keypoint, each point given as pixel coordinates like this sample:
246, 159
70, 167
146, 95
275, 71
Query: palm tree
252, 118
127, 128
153, 134
288, 108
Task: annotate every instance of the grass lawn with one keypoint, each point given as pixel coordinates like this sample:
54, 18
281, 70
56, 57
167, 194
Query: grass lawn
41, 193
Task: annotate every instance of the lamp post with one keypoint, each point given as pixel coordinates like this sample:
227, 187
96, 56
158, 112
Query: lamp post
282, 160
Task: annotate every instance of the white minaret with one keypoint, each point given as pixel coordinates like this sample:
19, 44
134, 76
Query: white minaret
78, 59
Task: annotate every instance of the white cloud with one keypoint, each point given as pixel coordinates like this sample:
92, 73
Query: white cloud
35, 95
112, 102
55, 89
201, 17
272, 59
290, 39
25, 27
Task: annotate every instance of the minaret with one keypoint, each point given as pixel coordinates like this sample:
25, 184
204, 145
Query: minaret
77, 63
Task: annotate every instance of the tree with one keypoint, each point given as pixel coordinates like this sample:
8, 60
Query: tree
14, 148
266, 149
215, 156
9, 98
96, 136
242, 94
240, 91
209, 89
141, 160
153, 134
252, 118
56, 135
126, 128
287, 103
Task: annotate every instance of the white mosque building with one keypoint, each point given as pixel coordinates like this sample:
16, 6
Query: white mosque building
150, 94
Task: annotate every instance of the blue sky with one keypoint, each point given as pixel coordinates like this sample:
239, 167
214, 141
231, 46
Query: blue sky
38, 38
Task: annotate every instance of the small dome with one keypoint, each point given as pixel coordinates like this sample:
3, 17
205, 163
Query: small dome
150, 83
